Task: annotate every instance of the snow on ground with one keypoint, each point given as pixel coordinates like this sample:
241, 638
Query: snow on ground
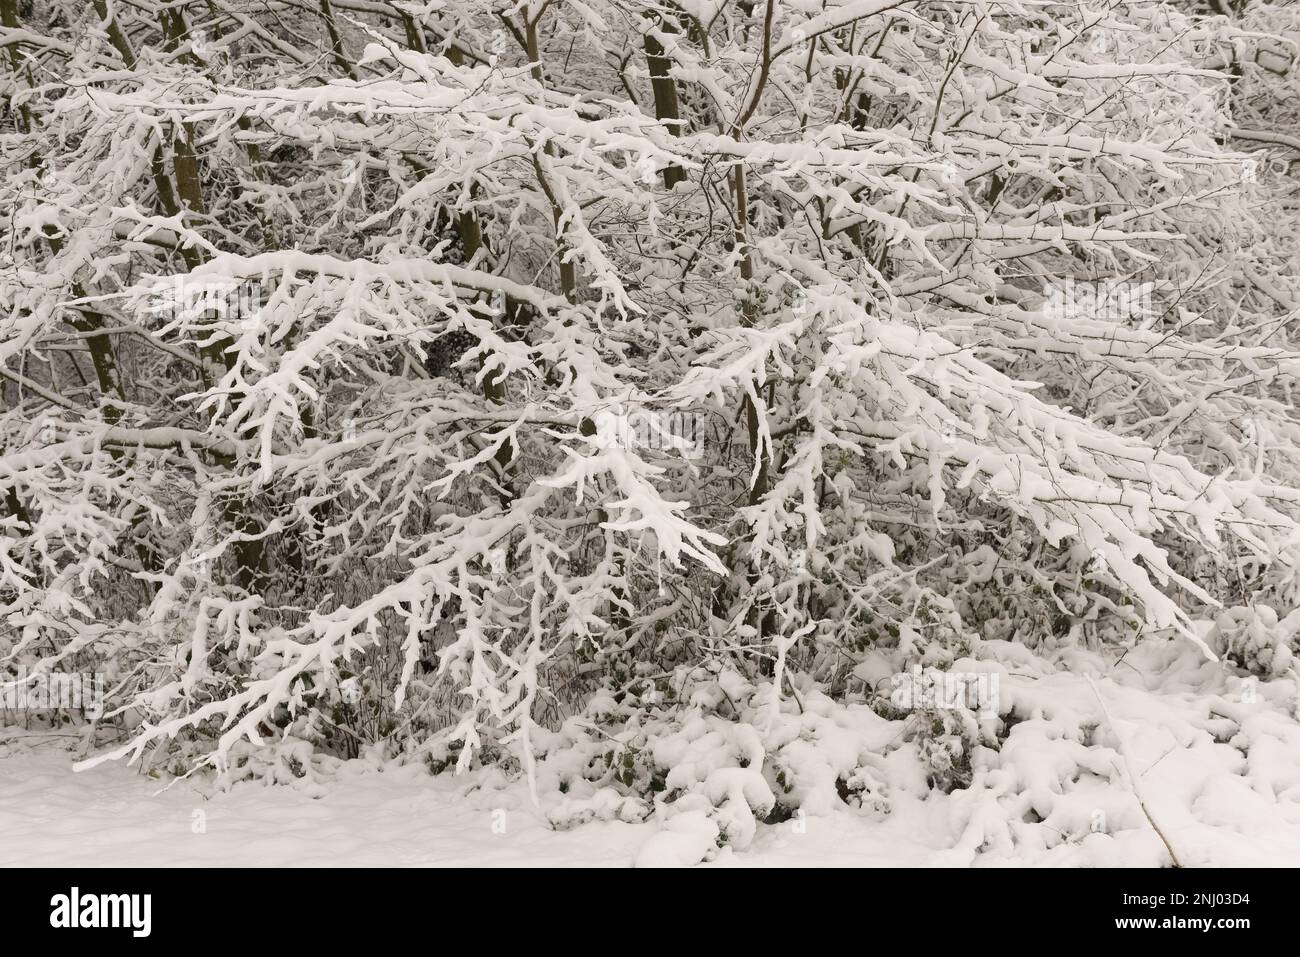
113, 816
1216, 758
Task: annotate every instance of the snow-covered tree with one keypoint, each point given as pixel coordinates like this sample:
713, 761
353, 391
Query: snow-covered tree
489, 356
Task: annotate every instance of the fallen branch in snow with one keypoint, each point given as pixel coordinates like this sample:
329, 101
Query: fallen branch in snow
1128, 773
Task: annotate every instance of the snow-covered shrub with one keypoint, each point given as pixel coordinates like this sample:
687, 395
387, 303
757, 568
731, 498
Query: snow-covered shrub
710, 755
320, 343
1254, 639
287, 761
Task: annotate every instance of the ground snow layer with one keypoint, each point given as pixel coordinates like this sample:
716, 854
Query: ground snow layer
1218, 771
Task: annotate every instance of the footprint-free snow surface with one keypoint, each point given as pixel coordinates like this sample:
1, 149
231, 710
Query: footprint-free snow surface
1208, 756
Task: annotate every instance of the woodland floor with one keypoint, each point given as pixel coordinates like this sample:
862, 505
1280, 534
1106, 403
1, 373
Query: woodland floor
1221, 778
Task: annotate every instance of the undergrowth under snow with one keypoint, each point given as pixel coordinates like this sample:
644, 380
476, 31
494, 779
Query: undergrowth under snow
1087, 755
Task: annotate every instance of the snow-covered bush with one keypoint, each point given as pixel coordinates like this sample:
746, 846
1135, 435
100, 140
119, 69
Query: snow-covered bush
1254, 639
939, 323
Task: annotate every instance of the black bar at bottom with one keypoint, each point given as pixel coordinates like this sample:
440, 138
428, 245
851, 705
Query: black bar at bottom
265, 907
